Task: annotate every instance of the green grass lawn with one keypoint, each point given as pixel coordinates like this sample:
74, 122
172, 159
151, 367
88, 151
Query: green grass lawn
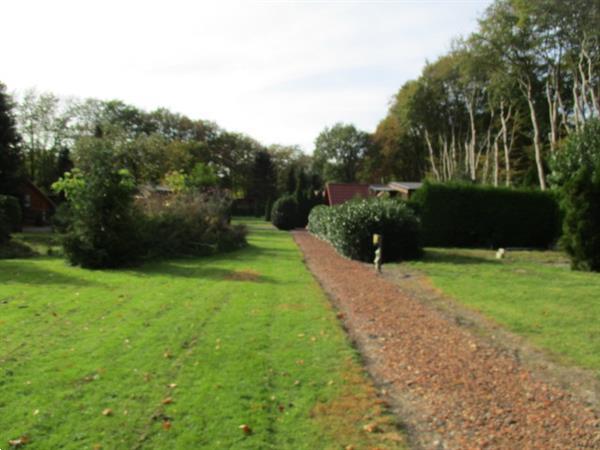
179, 354
534, 294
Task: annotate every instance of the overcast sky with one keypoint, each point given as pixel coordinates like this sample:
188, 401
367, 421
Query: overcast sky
277, 71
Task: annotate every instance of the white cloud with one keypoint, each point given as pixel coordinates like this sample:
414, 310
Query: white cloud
278, 71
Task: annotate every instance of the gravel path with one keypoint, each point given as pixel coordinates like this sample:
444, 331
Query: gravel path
453, 389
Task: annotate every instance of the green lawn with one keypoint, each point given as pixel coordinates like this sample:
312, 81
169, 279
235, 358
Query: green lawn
180, 354
534, 294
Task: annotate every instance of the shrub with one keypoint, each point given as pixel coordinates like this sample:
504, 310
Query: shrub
577, 175
284, 214
12, 212
103, 227
349, 227
465, 215
190, 224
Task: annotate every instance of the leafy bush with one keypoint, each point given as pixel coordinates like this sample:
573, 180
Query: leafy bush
349, 227
465, 215
190, 225
12, 212
103, 228
577, 174
284, 214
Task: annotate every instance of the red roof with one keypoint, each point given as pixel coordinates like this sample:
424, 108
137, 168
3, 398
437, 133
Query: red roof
342, 192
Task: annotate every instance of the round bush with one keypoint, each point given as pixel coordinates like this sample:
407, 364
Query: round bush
284, 214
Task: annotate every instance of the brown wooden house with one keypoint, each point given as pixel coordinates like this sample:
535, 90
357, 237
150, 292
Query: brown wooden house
37, 207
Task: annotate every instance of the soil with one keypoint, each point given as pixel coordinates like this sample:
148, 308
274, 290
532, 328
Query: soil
453, 385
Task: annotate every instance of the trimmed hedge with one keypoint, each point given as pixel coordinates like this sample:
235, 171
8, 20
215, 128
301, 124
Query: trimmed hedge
12, 212
349, 227
464, 215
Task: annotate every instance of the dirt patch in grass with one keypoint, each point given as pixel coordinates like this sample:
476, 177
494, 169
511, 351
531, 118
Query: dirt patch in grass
359, 417
244, 275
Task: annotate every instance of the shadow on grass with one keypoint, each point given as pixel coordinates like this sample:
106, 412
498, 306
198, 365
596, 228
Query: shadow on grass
453, 257
17, 271
194, 270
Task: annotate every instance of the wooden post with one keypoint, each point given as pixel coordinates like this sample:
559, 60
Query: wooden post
377, 242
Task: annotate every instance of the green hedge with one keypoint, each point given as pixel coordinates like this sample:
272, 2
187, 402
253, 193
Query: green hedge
12, 212
464, 215
349, 227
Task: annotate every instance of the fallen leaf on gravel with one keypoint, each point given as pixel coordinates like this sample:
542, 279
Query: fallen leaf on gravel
18, 442
167, 401
246, 429
107, 412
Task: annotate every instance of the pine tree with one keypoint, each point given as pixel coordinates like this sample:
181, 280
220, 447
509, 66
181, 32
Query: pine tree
11, 161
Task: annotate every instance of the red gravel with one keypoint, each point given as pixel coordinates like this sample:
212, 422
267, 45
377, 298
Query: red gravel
453, 389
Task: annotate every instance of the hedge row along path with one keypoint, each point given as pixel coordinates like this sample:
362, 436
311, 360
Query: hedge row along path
453, 389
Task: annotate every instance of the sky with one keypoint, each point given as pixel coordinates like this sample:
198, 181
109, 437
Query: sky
277, 71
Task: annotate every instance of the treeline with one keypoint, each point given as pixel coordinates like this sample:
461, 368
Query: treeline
497, 106
158, 147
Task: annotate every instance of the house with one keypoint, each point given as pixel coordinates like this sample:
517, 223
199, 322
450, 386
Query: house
37, 207
337, 193
404, 189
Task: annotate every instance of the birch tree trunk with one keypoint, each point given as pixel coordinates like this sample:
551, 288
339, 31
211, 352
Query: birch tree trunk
537, 143
431, 157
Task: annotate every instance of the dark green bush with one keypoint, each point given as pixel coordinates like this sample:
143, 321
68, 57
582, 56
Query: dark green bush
268, 208
576, 172
465, 215
349, 227
4, 229
284, 214
12, 212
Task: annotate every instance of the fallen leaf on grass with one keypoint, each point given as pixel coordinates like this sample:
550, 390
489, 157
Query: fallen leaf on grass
107, 412
246, 429
173, 385
18, 442
36, 412
167, 401
167, 354
371, 428
166, 425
